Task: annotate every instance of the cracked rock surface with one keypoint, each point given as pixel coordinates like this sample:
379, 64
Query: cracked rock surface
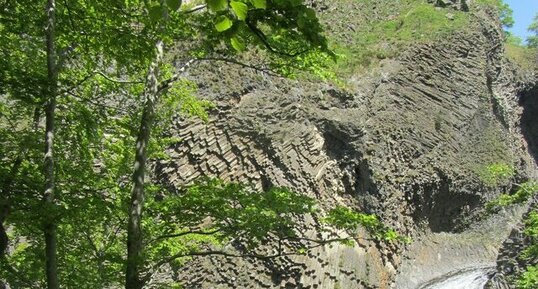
405, 142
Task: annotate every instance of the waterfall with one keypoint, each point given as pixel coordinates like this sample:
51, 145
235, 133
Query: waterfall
474, 278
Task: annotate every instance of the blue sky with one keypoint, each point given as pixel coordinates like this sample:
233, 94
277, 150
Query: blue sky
524, 11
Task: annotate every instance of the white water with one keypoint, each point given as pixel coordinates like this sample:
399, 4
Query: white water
466, 279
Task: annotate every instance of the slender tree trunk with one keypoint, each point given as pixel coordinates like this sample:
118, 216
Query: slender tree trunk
134, 229
49, 226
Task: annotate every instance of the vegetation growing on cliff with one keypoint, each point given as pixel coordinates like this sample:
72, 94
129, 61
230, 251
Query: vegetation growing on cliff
496, 174
528, 279
394, 27
523, 193
525, 54
383, 30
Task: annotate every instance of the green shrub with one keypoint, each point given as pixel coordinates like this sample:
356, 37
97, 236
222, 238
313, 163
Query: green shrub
496, 174
524, 192
529, 278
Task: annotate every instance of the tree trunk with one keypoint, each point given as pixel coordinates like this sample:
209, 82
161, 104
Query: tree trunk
49, 224
134, 229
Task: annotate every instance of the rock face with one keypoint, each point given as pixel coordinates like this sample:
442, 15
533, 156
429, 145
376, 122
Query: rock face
456, 4
404, 142
510, 260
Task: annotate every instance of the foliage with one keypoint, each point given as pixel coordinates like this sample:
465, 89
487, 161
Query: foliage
532, 41
529, 278
234, 210
524, 54
199, 218
496, 174
88, 208
523, 193
105, 50
504, 10
347, 219
513, 40
531, 231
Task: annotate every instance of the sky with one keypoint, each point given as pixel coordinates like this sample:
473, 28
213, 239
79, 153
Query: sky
524, 11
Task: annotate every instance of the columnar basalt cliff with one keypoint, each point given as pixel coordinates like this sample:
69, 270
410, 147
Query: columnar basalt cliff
404, 140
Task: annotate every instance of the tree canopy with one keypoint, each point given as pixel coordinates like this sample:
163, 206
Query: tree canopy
532, 41
85, 85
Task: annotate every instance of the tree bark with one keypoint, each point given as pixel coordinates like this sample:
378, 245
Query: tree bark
134, 228
49, 224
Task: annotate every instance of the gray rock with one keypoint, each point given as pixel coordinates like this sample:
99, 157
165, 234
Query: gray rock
404, 142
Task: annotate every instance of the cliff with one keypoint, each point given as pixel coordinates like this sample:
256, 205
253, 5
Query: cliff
405, 138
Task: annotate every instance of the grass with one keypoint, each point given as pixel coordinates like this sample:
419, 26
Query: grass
496, 174
523, 56
410, 22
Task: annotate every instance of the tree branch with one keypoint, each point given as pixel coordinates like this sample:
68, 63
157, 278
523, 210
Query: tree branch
95, 103
89, 76
280, 253
118, 80
77, 84
216, 253
166, 84
261, 36
232, 61
323, 242
195, 8
22, 279
181, 234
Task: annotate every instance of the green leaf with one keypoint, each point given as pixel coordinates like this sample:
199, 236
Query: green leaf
237, 44
155, 13
240, 9
223, 23
173, 4
296, 3
217, 5
259, 4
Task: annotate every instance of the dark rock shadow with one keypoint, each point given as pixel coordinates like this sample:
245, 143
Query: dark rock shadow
441, 207
529, 120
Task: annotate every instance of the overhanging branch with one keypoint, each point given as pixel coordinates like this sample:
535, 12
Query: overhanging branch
280, 253
245, 65
91, 75
185, 233
166, 84
195, 8
263, 38
118, 80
